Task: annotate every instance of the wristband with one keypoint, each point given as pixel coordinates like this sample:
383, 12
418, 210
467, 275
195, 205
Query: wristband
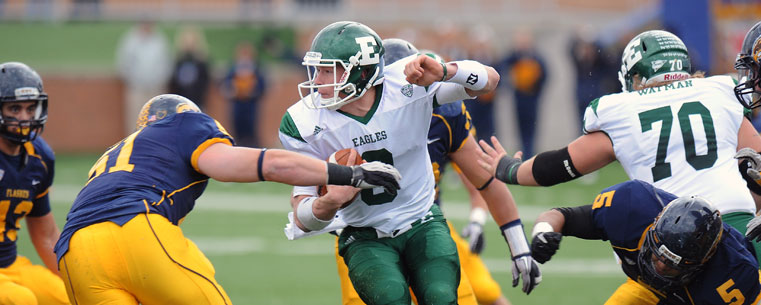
339, 174
541, 227
478, 215
507, 170
470, 74
486, 184
306, 216
260, 162
443, 66
516, 238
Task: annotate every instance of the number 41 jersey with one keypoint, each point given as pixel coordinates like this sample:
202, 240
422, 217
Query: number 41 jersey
679, 137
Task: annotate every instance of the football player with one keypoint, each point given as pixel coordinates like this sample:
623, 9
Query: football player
688, 255
450, 137
26, 173
677, 131
352, 100
748, 92
122, 244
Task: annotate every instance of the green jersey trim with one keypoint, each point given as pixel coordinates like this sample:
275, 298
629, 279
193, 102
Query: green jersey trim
288, 127
369, 115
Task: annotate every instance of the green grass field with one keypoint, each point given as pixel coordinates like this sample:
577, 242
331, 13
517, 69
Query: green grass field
240, 228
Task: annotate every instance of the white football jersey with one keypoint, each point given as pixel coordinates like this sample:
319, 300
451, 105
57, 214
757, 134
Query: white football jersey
394, 131
681, 137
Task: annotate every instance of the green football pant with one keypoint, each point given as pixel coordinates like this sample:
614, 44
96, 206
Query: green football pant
739, 221
424, 258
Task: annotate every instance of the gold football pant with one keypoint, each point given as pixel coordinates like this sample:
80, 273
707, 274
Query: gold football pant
148, 260
632, 293
475, 280
23, 283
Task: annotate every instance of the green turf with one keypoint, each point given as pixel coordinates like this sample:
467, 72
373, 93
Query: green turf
77, 47
240, 228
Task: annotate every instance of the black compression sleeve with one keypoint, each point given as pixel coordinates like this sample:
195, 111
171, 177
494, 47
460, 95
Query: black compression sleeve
339, 174
579, 222
553, 167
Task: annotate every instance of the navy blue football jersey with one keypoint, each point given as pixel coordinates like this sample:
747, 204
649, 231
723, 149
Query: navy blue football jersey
622, 214
154, 170
450, 126
24, 184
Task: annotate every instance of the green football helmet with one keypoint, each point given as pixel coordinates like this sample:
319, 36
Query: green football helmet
654, 56
353, 46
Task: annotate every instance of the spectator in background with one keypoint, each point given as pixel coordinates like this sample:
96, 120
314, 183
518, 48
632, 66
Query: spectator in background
481, 108
526, 73
144, 64
244, 86
587, 58
190, 76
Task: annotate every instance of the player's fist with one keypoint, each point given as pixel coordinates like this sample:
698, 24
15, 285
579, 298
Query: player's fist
754, 229
754, 167
424, 71
544, 245
474, 233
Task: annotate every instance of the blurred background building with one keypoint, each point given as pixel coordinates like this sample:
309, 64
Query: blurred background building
73, 44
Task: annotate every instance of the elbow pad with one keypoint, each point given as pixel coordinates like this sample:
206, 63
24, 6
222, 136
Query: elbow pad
553, 167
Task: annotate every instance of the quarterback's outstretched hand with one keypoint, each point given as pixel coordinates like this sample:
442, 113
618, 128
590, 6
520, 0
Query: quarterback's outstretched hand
754, 229
755, 162
544, 245
374, 174
525, 267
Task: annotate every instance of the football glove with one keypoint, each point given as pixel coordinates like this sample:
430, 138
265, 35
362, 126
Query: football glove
754, 229
544, 245
525, 267
376, 174
755, 162
544, 241
474, 231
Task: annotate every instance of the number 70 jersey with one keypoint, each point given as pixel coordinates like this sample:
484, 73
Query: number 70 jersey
681, 137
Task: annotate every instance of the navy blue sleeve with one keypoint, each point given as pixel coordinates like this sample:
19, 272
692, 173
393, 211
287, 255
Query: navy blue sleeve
41, 206
624, 211
199, 131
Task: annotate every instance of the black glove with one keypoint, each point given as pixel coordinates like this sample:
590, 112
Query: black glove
375, 174
544, 245
754, 229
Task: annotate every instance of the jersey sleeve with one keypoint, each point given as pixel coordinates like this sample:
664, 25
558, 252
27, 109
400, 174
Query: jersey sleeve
624, 211
461, 128
591, 122
41, 206
291, 140
199, 132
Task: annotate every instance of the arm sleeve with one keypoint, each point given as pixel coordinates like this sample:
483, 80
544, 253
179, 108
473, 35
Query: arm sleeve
461, 126
41, 201
580, 223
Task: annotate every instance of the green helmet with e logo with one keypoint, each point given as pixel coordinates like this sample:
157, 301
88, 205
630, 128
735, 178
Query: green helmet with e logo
653, 57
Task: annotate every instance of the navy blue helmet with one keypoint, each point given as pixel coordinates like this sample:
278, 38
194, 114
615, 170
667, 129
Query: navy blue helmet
683, 238
749, 68
396, 49
19, 83
162, 106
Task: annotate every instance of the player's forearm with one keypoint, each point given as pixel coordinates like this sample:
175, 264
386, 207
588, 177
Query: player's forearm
293, 168
552, 217
44, 234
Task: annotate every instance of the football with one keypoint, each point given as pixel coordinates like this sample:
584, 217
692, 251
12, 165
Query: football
342, 157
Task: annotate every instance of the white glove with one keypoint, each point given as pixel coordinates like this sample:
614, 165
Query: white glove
474, 232
755, 162
526, 267
754, 229
376, 174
